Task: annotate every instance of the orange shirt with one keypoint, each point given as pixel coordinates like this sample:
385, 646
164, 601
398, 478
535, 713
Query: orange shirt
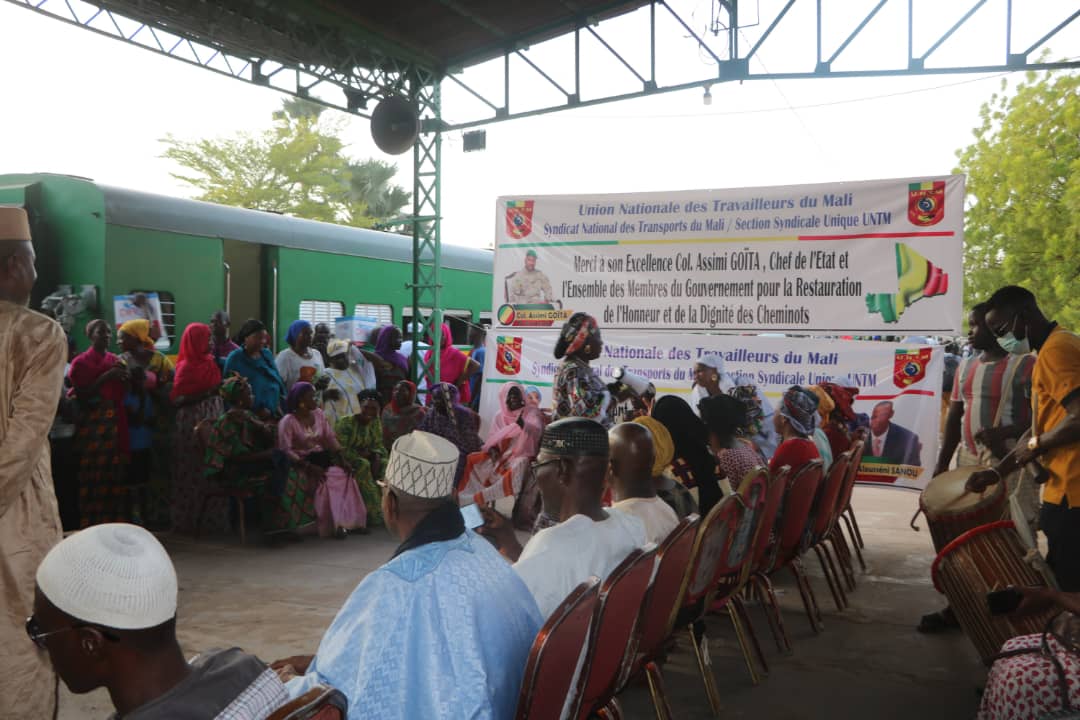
1056, 376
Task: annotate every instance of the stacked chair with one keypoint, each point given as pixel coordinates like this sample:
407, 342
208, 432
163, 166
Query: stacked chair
607, 635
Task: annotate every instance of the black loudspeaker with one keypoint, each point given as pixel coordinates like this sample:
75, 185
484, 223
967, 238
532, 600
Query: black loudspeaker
394, 125
475, 140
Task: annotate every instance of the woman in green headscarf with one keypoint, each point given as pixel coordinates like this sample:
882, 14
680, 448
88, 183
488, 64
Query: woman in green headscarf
244, 445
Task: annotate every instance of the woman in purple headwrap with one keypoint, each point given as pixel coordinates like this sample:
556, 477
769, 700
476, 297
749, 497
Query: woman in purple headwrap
307, 439
449, 419
391, 367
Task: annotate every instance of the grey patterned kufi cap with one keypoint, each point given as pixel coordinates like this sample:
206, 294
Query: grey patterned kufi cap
575, 437
422, 465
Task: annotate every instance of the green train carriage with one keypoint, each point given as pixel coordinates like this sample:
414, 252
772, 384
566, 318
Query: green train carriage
200, 257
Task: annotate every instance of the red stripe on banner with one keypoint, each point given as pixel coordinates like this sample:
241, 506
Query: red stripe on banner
856, 236
927, 393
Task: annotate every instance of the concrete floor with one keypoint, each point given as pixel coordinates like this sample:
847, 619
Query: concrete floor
868, 662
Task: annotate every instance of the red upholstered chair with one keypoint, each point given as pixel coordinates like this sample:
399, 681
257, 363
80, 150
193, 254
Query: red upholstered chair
753, 531
553, 674
715, 556
615, 632
847, 511
847, 514
761, 554
823, 520
318, 703
790, 528
662, 602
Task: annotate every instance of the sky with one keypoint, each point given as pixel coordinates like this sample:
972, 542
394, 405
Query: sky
81, 104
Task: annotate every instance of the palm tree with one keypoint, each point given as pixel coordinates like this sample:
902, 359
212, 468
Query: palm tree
370, 184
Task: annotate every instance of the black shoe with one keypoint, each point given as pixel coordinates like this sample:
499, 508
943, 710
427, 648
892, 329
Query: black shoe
939, 622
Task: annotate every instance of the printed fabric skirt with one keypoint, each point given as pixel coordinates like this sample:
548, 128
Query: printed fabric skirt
190, 483
287, 500
104, 494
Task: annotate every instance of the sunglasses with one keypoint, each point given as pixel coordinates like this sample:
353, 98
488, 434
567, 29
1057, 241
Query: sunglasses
33, 631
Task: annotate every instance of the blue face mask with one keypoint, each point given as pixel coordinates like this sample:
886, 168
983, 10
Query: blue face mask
1010, 344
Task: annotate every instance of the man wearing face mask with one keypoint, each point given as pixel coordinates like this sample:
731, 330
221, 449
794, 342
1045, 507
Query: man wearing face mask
1054, 439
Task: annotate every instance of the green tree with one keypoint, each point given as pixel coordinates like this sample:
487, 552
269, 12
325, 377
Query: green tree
370, 184
296, 167
1022, 223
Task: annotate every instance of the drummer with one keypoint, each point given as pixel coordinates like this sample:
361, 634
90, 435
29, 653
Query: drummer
1053, 442
988, 412
990, 405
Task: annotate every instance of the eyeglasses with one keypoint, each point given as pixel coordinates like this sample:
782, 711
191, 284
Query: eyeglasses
33, 631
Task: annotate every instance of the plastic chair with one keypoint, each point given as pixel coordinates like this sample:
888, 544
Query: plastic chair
555, 672
798, 500
616, 629
662, 602
319, 703
823, 520
715, 556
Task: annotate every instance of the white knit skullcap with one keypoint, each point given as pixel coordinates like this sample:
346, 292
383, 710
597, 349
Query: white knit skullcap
423, 465
116, 575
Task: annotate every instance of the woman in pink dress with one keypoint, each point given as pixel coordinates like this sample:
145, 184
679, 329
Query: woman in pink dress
498, 470
307, 439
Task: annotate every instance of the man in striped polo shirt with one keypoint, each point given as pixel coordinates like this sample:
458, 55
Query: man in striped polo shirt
991, 400
990, 408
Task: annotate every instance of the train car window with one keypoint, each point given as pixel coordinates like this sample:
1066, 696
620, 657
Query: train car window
168, 317
321, 311
383, 313
460, 321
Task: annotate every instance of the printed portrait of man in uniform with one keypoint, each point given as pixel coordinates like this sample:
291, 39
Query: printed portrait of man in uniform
529, 286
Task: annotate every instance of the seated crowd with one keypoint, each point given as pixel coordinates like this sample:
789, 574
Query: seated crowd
331, 443
333, 436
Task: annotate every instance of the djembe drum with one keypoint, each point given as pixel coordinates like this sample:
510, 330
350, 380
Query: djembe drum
990, 557
951, 511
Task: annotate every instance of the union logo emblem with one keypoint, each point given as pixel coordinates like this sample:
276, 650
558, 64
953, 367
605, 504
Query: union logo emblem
508, 355
909, 367
519, 215
926, 203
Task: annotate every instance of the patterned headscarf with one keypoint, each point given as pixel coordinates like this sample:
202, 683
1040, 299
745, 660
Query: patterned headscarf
842, 398
663, 445
232, 387
747, 395
295, 329
139, 329
799, 406
575, 333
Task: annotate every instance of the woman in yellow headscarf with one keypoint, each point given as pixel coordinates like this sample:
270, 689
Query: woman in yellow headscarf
674, 493
149, 421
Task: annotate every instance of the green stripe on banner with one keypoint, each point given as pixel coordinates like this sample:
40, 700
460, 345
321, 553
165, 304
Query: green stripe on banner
502, 381
556, 244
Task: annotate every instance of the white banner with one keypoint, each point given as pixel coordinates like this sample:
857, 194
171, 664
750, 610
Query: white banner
900, 385
883, 256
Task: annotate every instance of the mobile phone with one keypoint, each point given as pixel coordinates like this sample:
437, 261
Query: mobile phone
471, 515
1003, 602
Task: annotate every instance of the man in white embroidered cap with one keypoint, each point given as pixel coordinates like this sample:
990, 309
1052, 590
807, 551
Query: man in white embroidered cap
444, 628
105, 611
